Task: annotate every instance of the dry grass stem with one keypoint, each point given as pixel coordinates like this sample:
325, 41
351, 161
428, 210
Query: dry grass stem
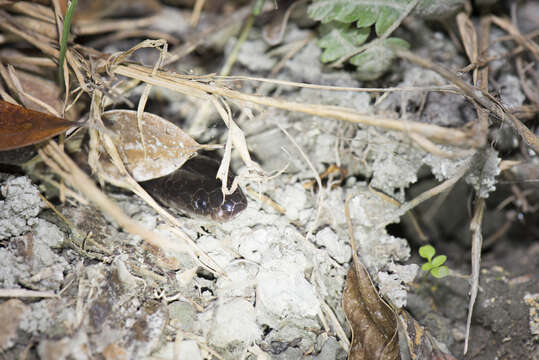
203, 36
265, 200
438, 189
293, 49
519, 38
350, 228
477, 242
339, 330
105, 26
6, 24
197, 9
3, 93
20, 61
23, 293
480, 97
427, 145
321, 191
67, 191
147, 88
469, 40
35, 10
435, 133
441, 88
235, 137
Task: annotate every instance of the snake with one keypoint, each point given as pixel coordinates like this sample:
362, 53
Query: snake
194, 189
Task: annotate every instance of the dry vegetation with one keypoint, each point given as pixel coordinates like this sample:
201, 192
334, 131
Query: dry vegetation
280, 117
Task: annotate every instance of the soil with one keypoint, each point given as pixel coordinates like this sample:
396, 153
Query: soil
268, 284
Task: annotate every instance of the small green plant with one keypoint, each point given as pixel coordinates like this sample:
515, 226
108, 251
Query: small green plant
435, 264
63, 42
347, 24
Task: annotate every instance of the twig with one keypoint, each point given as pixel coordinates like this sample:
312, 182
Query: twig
339, 331
19, 293
350, 228
519, 38
104, 26
265, 200
200, 121
442, 88
35, 10
435, 133
203, 36
477, 242
197, 9
479, 96
407, 206
311, 166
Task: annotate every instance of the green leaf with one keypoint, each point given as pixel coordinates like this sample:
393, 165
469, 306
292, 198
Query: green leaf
394, 42
365, 12
63, 42
349, 11
438, 10
386, 18
427, 266
341, 40
439, 260
373, 62
376, 60
440, 272
427, 251
367, 17
325, 11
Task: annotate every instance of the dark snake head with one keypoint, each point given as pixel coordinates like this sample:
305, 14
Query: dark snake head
194, 190
212, 204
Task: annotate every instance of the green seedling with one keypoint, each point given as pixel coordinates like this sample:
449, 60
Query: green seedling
435, 264
63, 41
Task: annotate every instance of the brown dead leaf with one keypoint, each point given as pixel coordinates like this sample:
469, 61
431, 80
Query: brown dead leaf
167, 146
42, 27
373, 322
114, 352
22, 127
420, 342
11, 312
40, 88
92, 10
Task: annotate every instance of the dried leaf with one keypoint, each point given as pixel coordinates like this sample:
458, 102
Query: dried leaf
12, 312
273, 32
167, 147
38, 26
420, 342
93, 10
22, 127
373, 322
42, 89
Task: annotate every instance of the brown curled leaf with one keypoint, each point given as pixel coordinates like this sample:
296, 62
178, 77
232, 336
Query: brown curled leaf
22, 127
165, 148
420, 342
373, 322
40, 88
